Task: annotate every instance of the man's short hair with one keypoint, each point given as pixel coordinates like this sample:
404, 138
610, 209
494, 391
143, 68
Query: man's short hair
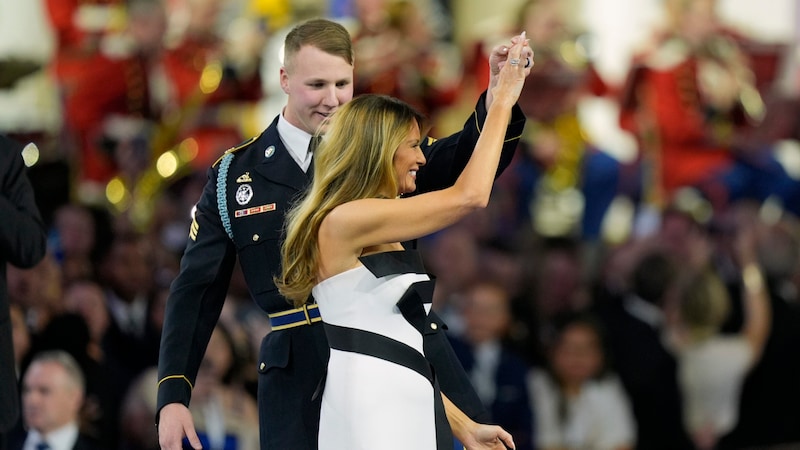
326, 35
65, 360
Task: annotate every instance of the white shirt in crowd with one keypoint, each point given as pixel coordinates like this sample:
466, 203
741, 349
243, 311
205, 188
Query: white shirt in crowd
63, 438
599, 418
710, 375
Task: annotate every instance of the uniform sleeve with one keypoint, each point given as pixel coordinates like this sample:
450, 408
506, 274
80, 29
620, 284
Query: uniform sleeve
22, 234
452, 377
195, 300
447, 157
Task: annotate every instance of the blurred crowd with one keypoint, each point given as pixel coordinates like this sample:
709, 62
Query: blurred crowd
635, 292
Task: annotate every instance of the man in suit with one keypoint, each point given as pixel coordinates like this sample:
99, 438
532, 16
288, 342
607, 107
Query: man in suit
52, 397
23, 244
498, 374
647, 369
241, 213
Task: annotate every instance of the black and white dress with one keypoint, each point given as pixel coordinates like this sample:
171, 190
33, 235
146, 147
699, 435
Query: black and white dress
380, 391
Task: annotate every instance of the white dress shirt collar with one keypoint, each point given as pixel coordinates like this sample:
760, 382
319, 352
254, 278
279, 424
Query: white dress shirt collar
644, 311
296, 141
63, 438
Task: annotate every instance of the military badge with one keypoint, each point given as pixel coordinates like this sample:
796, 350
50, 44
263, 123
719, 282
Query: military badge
244, 194
269, 151
244, 178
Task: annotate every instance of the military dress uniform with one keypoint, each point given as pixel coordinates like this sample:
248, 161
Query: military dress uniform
241, 213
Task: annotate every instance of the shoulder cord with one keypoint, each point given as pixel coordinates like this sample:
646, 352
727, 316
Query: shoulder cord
222, 199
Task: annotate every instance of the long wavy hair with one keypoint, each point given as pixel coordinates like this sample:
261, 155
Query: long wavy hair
354, 161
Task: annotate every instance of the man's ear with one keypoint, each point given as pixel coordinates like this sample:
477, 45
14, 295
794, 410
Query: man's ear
284, 80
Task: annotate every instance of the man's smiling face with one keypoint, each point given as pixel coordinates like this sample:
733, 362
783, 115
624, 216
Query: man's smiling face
317, 83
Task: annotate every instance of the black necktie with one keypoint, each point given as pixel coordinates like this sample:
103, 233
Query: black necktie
314, 142
42, 446
312, 146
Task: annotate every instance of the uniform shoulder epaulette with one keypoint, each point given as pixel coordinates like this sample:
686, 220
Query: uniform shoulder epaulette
235, 149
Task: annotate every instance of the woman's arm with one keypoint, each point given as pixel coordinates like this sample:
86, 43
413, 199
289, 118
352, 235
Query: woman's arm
758, 314
476, 436
369, 222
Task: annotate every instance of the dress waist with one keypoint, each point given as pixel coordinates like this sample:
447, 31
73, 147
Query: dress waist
378, 346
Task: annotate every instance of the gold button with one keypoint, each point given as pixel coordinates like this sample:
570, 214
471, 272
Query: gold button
261, 366
434, 326
255, 237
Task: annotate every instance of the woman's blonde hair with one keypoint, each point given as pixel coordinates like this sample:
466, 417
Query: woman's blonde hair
704, 304
353, 161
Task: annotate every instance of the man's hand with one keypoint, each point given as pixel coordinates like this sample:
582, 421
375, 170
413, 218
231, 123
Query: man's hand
488, 437
175, 423
497, 60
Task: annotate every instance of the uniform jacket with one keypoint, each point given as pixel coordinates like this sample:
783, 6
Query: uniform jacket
292, 361
22, 243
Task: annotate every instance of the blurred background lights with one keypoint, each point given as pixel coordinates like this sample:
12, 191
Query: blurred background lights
167, 164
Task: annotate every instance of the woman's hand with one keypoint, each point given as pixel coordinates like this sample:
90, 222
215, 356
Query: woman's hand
489, 437
512, 65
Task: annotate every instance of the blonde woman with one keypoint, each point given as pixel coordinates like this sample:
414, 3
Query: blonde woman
712, 366
343, 246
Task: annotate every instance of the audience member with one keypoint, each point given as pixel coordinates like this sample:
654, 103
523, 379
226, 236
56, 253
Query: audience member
72, 241
556, 285
402, 53
497, 373
103, 66
212, 87
52, 397
20, 336
564, 183
130, 344
692, 102
648, 371
87, 299
712, 366
453, 256
225, 415
137, 412
37, 290
69, 332
768, 411
578, 399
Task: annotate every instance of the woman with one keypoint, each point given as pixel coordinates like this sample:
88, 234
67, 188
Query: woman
343, 245
579, 402
712, 365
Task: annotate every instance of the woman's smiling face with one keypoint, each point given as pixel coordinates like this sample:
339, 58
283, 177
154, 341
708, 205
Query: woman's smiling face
407, 160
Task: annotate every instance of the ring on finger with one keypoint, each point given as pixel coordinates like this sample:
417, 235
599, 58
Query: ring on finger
514, 61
